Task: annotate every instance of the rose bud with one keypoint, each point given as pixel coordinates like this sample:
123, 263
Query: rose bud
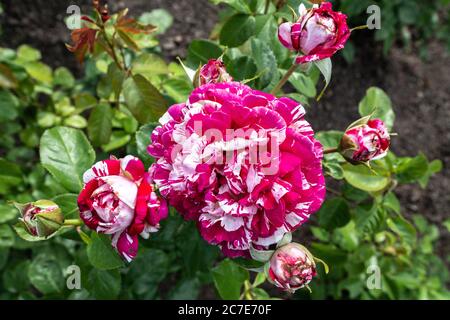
318, 33
213, 72
291, 267
41, 218
364, 141
119, 200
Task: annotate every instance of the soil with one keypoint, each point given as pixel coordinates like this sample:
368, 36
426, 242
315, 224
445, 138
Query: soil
419, 89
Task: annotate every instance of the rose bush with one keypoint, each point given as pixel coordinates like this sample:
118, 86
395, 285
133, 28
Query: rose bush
234, 155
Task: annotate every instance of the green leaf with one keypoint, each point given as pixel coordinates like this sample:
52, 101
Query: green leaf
144, 101
46, 275
160, 18
101, 254
335, 213
228, 279
100, 124
15, 277
75, 121
187, 289
347, 237
178, 89
378, 103
363, 178
434, 167
266, 63
369, 218
149, 65
403, 228
239, 5
9, 105
68, 205
391, 202
104, 285
200, 51
10, 175
7, 213
66, 154
118, 140
7, 236
303, 84
242, 68
39, 71
25, 53
237, 30
85, 101
4, 255
326, 68
64, 78
143, 140
410, 170
144, 284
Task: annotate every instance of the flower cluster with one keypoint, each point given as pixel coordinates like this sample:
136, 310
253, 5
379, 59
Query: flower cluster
317, 34
242, 163
118, 199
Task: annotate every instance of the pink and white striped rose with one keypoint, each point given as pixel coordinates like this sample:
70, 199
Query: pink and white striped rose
366, 142
317, 34
118, 199
291, 267
236, 198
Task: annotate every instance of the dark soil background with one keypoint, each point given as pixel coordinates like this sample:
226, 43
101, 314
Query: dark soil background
420, 90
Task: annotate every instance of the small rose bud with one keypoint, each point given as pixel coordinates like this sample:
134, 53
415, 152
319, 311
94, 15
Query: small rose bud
213, 72
365, 141
291, 267
318, 33
41, 218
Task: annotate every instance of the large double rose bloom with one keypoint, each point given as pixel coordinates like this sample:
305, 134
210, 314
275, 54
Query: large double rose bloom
241, 163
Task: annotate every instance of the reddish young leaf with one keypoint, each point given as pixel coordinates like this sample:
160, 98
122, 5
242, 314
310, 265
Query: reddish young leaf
83, 40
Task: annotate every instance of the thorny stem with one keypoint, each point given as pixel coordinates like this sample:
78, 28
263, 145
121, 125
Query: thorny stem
73, 222
330, 150
266, 8
284, 79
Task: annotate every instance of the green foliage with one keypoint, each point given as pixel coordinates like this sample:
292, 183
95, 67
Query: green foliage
53, 127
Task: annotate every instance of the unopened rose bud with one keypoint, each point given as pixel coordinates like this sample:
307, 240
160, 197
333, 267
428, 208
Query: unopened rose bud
291, 267
365, 141
41, 218
317, 34
213, 72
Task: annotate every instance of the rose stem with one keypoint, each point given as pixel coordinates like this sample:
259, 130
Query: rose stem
331, 150
73, 222
284, 79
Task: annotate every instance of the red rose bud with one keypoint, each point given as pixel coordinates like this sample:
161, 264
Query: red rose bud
365, 141
213, 72
41, 218
318, 33
291, 267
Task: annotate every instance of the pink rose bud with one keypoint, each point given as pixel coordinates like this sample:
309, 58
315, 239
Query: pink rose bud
291, 267
41, 218
318, 33
118, 199
213, 72
365, 141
